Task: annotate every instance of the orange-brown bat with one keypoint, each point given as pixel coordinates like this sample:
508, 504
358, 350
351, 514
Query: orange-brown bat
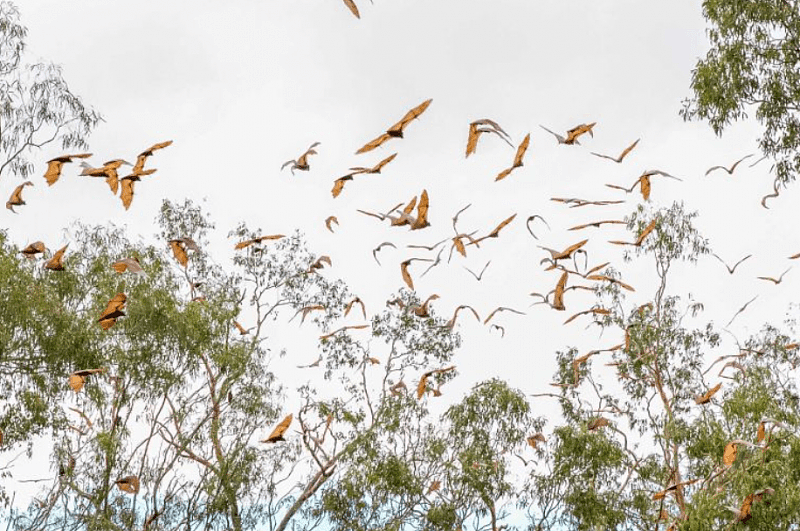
301, 163
342, 329
129, 484
452, 322
496, 232
562, 255
422, 310
593, 311
643, 181
108, 171
126, 185
422, 213
638, 243
259, 239
54, 166
523, 147
475, 131
405, 217
338, 185
16, 196
404, 270
422, 386
358, 170
128, 264
319, 263
330, 220
56, 262
280, 429
242, 330
622, 155
396, 131
558, 298
598, 223
142, 157
114, 309
78, 378
572, 134
706, 397
33, 249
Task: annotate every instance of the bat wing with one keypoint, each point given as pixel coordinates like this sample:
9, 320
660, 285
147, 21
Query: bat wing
523, 147
505, 222
369, 146
352, 7
472, 139
179, 252
126, 193
378, 167
422, 212
410, 115
406, 274
647, 230
338, 185
53, 171
558, 297
280, 429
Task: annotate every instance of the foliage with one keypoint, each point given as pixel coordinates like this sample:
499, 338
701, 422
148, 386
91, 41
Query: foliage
36, 105
753, 64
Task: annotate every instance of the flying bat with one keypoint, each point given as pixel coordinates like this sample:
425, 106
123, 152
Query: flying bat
475, 131
533, 218
142, 157
16, 196
259, 239
496, 232
731, 169
280, 429
775, 281
56, 262
54, 166
329, 220
379, 247
731, 269
396, 131
301, 162
621, 156
523, 147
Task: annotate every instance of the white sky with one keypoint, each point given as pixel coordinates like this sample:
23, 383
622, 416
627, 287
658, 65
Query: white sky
242, 86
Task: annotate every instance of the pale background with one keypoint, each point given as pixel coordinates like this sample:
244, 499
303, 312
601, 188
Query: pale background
243, 86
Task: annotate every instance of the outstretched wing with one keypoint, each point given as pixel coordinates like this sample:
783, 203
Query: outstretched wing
352, 7
410, 115
523, 147
369, 146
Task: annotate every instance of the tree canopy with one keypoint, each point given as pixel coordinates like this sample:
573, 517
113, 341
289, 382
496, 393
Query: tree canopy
752, 69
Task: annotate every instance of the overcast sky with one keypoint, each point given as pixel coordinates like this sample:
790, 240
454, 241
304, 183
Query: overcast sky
243, 86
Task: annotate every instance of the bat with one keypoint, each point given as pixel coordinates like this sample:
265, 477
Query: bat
16, 196
396, 131
523, 147
621, 156
54, 166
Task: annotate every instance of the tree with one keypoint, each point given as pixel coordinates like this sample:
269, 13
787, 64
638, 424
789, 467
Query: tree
753, 64
36, 105
640, 449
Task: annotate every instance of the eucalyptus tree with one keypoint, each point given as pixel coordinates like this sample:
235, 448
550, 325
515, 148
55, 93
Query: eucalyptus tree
36, 105
180, 397
752, 69
647, 444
